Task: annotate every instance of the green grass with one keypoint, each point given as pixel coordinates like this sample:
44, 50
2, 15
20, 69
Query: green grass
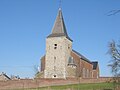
98, 86
84, 86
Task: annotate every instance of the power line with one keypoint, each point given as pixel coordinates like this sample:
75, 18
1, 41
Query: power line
17, 66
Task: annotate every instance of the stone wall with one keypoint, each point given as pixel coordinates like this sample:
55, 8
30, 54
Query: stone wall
71, 71
57, 54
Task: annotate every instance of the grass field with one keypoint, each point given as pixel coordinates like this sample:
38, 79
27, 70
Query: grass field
98, 86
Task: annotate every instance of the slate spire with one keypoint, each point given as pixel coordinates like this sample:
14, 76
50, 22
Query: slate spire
59, 28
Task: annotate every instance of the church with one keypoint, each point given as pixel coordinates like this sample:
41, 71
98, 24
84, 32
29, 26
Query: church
61, 61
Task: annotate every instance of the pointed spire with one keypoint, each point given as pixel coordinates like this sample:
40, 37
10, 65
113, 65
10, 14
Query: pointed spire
59, 28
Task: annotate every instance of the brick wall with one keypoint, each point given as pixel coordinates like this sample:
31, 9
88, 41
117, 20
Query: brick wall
29, 83
84, 68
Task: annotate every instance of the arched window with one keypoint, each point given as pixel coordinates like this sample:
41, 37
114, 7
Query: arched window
70, 60
87, 73
84, 73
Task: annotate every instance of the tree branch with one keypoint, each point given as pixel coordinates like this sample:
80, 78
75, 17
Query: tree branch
113, 12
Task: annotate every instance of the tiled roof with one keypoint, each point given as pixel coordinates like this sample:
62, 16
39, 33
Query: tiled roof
3, 74
82, 57
59, 28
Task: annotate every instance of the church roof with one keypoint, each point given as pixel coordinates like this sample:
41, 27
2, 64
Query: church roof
59, 28
82, 57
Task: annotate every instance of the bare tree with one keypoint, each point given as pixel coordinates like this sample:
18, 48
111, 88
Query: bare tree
114, 51
36, 70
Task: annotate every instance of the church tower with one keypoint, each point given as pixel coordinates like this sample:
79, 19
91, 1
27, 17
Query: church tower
58, 50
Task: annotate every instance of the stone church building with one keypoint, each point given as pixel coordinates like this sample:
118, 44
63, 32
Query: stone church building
60, 60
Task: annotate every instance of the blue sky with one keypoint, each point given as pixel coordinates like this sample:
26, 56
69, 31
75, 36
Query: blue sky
24, 25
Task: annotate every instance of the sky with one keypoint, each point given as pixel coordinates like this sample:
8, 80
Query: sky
25, 24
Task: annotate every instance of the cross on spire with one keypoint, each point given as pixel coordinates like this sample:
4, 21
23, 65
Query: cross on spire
60, 4
59, 28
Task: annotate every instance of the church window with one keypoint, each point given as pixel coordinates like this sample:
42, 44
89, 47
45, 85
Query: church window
92, 75
70, 60
68, 46
87, 73
60, 47
55, 46
54, 58
97, 75
54, 76
54, 68
84, 73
